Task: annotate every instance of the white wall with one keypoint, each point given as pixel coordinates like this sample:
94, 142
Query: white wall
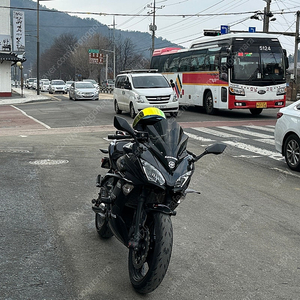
5, 67
5, 17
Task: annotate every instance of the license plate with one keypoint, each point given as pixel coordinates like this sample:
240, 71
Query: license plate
160, 106
261, 104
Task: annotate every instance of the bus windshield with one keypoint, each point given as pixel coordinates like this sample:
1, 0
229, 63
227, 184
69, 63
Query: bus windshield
259, 62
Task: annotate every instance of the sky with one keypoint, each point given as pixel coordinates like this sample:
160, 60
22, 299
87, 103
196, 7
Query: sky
176, 20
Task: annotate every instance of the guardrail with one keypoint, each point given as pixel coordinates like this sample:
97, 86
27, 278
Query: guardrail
106, 89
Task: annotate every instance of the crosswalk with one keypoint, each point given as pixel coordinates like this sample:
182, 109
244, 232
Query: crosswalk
248, 141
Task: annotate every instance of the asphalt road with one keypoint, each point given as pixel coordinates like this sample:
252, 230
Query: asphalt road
239, 239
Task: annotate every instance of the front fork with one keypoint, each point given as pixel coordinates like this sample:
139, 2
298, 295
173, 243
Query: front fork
140, 219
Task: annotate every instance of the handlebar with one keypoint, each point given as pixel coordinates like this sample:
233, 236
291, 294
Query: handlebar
118, 137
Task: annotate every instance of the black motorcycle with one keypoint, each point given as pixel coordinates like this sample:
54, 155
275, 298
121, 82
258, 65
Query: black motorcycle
149, 170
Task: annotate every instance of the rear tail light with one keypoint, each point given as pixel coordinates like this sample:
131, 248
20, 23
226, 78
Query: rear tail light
279, 115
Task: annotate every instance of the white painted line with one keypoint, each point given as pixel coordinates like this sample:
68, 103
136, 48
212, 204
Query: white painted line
263, 128
267, 141
256, 150
287, 172
217, 133
199, 138
32, 118
246, 132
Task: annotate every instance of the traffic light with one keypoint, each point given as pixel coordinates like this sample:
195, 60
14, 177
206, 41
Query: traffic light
211, 32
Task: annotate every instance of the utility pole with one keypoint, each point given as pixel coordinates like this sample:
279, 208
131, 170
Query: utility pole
297, 40
267, 15
153, 27
114, 49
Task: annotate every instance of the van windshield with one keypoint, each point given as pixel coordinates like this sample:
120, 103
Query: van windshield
146, 82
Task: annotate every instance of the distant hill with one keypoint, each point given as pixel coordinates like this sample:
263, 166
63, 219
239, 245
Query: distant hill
53, 24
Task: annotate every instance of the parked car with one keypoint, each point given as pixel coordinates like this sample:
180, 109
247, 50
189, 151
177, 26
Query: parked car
137, 90
108, 84
57, 86
287, 134
29, 82
94, 82
80, 90
34, 84
68, 84
44, 85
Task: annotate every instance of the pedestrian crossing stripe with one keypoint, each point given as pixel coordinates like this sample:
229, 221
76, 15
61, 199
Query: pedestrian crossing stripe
226, 132
253, 149
264, 128
245, 132
216, 132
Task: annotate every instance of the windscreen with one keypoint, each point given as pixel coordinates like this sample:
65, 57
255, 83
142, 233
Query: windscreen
167, 138
149, 82
258, 60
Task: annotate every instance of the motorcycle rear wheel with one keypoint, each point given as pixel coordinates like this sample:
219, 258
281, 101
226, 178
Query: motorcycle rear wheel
102, 226
148, 277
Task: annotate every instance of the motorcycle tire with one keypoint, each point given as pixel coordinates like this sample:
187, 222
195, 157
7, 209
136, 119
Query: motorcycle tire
102, 227
148, 277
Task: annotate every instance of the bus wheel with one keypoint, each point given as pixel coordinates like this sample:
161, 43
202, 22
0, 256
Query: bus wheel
256, 111
209, 104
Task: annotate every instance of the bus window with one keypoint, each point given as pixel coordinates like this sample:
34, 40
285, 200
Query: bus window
184, 64
198, 60
174, 63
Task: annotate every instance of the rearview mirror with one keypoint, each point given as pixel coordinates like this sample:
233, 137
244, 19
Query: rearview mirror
122, 124
215, 149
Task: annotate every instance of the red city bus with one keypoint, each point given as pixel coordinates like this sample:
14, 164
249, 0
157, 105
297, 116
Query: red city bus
231, 71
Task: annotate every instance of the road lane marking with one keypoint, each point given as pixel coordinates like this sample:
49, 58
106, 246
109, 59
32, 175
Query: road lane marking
198, 138
217, 133
246, 132
32, 118
263, 128
256, 150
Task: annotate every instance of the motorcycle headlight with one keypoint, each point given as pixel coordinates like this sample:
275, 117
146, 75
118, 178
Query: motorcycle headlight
181, 181
237, 90
152, 173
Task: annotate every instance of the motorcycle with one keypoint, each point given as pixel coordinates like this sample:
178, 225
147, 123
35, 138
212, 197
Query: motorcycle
149, 170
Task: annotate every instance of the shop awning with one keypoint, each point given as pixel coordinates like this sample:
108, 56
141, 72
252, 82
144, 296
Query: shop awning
10, 56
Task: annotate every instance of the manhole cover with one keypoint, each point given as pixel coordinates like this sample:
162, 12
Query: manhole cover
49, 162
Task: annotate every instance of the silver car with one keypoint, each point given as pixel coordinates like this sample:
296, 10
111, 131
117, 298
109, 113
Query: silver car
57, 86
81, 90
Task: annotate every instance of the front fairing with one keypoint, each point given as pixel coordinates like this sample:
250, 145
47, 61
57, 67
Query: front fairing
166, 151
182, 166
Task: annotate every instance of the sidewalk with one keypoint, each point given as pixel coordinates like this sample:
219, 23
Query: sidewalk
28, 96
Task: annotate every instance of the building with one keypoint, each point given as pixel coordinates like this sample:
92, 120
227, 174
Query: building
7, 57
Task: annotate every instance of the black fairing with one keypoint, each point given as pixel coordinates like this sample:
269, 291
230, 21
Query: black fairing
167, 141
165, 150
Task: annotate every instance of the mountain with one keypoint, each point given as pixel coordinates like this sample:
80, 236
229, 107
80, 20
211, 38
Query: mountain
54, 23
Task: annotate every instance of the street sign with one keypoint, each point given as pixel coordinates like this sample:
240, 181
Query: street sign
252, 29
95, 57
224, 29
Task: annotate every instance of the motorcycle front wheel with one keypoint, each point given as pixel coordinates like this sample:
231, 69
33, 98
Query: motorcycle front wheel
148, 266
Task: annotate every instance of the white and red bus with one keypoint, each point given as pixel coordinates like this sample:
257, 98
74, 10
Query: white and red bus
231, 71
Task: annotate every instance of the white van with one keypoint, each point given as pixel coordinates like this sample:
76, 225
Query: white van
136, 90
